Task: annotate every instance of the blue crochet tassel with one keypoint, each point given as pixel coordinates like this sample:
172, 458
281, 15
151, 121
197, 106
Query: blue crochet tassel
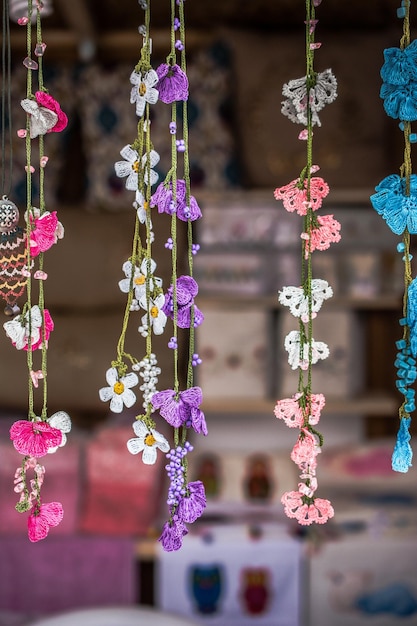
403, 454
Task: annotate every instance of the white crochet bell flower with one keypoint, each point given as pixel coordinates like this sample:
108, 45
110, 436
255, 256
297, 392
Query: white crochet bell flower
298, 356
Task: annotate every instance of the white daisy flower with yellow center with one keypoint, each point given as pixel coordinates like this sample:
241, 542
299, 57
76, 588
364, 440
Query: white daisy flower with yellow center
139, 277
143, 90
142, 208
157, 318
119, 392
132, 164
147, 441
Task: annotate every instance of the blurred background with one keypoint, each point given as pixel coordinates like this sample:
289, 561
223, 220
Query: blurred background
244, 563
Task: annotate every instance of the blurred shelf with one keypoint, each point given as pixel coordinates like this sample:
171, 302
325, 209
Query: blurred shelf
380, 405
230, 300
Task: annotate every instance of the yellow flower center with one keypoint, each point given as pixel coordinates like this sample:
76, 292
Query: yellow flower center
154, 311
135, 166
118, 388
139, 280
149, 440
142, 89
146, 205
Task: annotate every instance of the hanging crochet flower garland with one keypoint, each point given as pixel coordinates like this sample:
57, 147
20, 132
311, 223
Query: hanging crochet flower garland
304, 98
30, 330
396, 201
180, 409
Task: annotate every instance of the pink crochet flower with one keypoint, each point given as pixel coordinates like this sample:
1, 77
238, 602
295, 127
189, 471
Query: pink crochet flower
317, 403
34, 438
294, 195
48, 327
306, 449
318, 511
290, 411
45, 100
45, 232
42, 518
327, 233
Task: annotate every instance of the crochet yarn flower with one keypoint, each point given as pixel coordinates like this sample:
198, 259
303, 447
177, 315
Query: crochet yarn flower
147, 441
45, 114
299, 359
48, 102
21, 327
322, 236
294, 195
318, 511
172, 83
119, 392
34, 438
157, 317
143, 90
142, 208
191, 506
399, 73
291, 412
47, 230
176, 408
132, 166
42, 518
323, 92
172, 535
186, 290
163, 199
137, 282
398, 209
306, 449
299, 302
62, 422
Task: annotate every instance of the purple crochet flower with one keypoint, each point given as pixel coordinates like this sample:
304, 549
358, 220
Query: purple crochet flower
191, 506
197, 421
173, 83
177, 410
163, 199
187, 289
172, 534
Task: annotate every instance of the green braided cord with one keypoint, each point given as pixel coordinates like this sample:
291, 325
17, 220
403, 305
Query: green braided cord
28, 147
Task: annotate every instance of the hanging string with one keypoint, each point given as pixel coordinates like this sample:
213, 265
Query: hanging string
6, 107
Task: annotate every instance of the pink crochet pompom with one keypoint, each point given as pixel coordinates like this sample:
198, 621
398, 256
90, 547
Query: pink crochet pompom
45, 100
42, 518
34, 438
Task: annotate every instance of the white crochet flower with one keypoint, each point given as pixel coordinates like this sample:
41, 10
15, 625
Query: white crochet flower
298, 301
139, 278
157, 318
322, 93
62, 421
132, 164
298, 357
143, 90
142, 208
119, 393
147, 441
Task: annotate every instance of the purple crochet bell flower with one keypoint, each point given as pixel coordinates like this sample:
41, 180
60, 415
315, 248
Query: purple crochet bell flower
192, 505
197, 420
176, 408
172, 84
186, 289
172, 534
163, 199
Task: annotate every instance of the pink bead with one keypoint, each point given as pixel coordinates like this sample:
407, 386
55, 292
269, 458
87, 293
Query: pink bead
40, 49
21, 133
44, 160
32, 169
315, 46
22, 21
30, 64
303, 135
314, 168
317, 3
40, 275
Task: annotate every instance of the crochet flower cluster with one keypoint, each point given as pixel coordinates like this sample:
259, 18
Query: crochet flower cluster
399, 88
396, 204
300, 96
